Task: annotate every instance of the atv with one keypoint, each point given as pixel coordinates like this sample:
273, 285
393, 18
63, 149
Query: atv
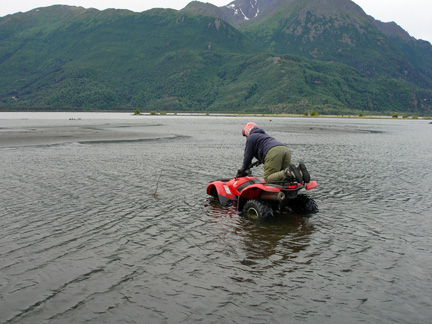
262, 201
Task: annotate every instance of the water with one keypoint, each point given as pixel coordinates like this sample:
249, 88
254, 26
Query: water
84, 239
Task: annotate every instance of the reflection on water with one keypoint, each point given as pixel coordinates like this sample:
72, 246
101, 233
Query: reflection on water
274, 242
84, 239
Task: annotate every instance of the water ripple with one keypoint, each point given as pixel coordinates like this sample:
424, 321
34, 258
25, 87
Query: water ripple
84, 238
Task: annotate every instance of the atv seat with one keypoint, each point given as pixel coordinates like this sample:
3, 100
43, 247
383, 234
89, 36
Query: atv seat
283, 182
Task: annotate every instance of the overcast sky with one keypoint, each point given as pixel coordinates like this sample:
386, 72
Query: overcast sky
415, 16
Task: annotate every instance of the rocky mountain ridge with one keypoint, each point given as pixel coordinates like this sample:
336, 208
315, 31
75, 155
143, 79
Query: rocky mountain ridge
329, 30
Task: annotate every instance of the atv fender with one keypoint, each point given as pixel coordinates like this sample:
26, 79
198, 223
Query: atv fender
311, 185
221, 191
254, 191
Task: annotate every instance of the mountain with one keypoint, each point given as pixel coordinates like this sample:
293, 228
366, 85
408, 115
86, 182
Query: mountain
280, 56
241, 11
329, 30
70, 57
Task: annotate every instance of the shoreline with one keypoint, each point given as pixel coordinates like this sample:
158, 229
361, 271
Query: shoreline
285, 116
69, 115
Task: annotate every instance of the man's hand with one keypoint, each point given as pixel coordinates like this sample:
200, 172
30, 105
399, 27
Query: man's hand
240, 173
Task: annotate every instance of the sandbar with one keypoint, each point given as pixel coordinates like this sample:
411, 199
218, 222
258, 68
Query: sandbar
50, 135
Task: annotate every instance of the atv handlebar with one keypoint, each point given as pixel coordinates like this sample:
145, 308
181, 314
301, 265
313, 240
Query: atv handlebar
247, 172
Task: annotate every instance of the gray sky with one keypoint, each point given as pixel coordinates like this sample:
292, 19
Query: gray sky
415, 16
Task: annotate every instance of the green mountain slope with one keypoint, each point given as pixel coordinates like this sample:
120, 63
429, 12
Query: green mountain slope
98, 59
64, 57
330, 30
335, 30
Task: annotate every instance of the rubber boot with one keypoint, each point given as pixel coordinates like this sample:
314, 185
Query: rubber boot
304, 172
294, 173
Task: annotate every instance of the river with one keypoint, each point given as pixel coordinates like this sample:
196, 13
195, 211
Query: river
118, 228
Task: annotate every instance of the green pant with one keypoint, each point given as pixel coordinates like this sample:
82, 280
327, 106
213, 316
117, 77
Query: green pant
277, 159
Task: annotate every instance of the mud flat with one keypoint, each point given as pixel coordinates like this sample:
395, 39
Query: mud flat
50, 135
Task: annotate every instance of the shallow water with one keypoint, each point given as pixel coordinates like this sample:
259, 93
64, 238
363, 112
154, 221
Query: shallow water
83, 239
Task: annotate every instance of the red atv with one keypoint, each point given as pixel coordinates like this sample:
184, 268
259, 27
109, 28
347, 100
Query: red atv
260, 200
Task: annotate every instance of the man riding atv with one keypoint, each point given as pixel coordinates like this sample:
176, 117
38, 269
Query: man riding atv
275, 155
262, 199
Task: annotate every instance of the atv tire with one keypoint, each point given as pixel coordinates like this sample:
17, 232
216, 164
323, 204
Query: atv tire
303, 204
257, 210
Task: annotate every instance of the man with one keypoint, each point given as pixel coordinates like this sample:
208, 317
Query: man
275, 156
